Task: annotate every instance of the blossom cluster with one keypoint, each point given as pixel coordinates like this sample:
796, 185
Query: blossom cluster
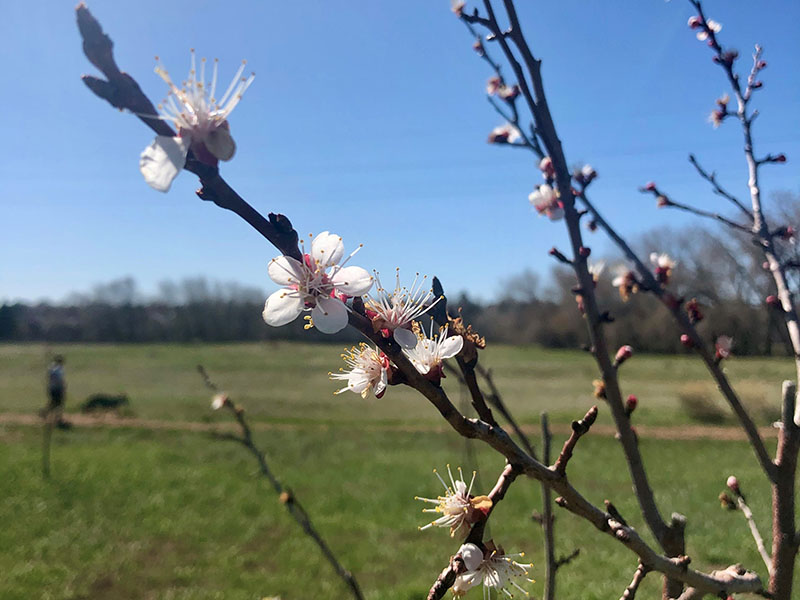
485, 563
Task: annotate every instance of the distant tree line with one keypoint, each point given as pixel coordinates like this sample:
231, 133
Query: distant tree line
727, 279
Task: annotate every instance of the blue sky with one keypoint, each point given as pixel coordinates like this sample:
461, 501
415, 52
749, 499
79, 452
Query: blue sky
367, 119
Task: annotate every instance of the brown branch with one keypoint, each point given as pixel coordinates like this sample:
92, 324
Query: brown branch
565, 560
286, 496
751, 523
638, 578
709, 215
579, 428
548, 520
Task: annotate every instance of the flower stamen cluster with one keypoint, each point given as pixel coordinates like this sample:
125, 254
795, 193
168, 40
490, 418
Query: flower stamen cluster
458, 507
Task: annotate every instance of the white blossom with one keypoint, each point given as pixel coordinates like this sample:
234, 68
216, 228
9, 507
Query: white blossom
201, 120
596, 269
702, 35
458, 507
368, 371
498, 572
723, 345
317, 285
504, 134
393, 313
431, 350
545, 200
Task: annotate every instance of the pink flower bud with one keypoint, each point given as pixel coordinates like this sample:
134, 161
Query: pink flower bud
733, 484
623, 354
591, 225
650, 187
631, 403
662, 201
773, 301
781, 158
584, 251
762, 64
694, 22
687, 341
547, 168
757, 84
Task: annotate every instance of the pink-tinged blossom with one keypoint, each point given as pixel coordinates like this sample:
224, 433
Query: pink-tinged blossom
219, 401
710, 26
493, 84
625, 281
663, 266
458, 507
393, 313
457, 6
547, 168
508, 92
545, 200
317, 285
431, 350
368, 371
723, 346
201, 120
596, 269
498, 572
504, 134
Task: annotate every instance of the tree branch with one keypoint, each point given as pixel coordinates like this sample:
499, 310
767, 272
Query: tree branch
633, 587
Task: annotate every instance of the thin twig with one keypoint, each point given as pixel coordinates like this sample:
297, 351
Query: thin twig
286, 496
633, 587
718, 189
751, 522
548, 520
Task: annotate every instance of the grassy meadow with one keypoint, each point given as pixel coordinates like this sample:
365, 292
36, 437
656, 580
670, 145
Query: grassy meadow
133, 513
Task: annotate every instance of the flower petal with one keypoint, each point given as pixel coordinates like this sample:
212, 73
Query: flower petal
472, 555
282, 307
327, 248
405, 337
285, 270
451, 346
220, 143
353, 281
162, 160
329, 315
380, 386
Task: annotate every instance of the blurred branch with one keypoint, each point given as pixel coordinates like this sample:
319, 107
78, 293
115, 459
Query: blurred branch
718, 189
286, 496
633, 587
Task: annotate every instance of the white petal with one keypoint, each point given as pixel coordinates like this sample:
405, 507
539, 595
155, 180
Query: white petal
327, 248
380, 385
357, 381
353, 281
282, 307
220, 143
162, 160
405, 337
329, 315
285, 270
450, 346
472, 555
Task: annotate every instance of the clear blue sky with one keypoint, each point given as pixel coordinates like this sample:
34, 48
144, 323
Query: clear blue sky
368, 119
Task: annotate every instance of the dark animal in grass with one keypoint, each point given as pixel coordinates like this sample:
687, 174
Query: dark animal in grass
104, 402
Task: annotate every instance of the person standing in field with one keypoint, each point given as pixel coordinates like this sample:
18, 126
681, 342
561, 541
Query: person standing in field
56, 390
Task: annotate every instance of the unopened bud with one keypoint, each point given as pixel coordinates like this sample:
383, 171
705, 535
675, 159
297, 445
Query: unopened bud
623, 354
285, 497
687, 341
650, 187
762, 64
733, 484
781, 158
591, 225
599, 388
694, 22
725, 501
630, 404
757, 84
773, 301
662, 201
584, 251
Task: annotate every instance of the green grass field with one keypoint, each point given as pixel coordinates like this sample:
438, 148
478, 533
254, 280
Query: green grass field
140, 514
